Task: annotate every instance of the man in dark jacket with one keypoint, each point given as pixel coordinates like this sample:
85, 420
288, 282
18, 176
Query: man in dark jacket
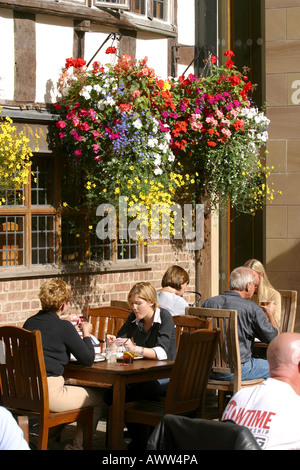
252, 322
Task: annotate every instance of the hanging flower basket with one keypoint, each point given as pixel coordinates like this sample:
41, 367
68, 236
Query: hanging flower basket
157, 141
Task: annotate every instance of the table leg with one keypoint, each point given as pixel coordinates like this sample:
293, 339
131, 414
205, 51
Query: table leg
116, 418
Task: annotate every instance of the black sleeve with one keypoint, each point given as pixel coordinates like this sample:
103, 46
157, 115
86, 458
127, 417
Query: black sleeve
82, 349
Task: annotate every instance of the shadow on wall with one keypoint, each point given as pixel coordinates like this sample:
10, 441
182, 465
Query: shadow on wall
86, 289
284, 273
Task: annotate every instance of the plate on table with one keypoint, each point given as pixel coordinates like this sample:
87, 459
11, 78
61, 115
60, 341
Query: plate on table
99, 358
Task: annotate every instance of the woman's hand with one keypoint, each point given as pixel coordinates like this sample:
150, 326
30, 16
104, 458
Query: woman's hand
110, 338
130, 346
86, 328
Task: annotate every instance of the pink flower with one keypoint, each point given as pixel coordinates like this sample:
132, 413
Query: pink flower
75, 121
61, 124
77, 152
96, 134
95, 148
76, 135
136, 93
226, 132
85, 126
61, 135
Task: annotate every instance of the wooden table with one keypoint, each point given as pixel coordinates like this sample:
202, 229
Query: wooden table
119, 375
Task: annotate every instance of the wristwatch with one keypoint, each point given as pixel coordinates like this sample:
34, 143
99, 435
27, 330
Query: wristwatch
142, 351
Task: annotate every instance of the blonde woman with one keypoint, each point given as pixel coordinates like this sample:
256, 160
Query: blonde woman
264, 289
151, 327
153, 336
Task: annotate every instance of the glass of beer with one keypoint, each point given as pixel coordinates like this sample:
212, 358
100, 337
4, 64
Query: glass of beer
264, 303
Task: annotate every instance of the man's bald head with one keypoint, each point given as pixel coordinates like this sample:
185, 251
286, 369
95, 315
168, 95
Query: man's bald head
283, 355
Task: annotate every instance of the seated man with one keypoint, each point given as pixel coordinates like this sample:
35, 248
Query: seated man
252, 322
271, 410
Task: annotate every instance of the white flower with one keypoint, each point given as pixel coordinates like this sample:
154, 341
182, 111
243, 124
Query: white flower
152, 143
98, 88
86, 92
137, 124
157, 160
109, 101
158, 171
101, 105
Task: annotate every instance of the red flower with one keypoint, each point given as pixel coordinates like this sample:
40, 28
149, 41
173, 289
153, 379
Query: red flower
235, 80
229, 54
125, 107
179, 127
213, 59
77, 63
229, 64
211, 143
180, 145
111, 50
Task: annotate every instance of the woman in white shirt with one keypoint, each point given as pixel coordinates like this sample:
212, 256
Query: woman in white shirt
174, 284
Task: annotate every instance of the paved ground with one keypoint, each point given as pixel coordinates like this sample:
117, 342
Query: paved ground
99, 442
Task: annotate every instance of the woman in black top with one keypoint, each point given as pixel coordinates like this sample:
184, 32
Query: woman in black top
153, 332
60, 339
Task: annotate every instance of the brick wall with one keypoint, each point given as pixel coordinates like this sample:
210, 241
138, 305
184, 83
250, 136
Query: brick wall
19, 297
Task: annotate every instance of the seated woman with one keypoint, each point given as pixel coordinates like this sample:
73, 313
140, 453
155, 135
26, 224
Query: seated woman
60, 339
153, 336
264, 289
174, 284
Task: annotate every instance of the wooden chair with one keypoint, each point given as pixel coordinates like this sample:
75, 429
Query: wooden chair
227, 359
287, 320
288, 310
105, 320
189, 323
188, 381
24, 387
120, 304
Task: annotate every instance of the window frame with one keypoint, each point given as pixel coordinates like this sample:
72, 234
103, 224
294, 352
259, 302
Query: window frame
123, 5
27, 210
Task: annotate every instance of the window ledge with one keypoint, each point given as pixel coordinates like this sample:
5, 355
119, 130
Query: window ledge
44, 271
141, 23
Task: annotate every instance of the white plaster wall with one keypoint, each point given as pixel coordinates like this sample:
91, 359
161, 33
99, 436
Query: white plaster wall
7, 55
157, 52
93, 40
54, 43
186, 22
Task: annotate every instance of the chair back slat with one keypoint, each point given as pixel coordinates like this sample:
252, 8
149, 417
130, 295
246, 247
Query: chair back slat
227, 359
188, 382
288, 310
21, 370
120, 304
105, 320
189, 323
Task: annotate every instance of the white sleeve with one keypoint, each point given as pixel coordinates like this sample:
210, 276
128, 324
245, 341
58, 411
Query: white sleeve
11, 435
